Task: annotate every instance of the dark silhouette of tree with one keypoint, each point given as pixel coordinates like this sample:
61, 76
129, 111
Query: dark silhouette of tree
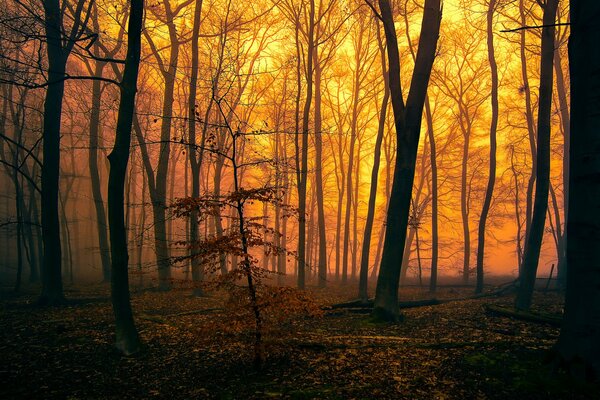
60, 40
194, 158
366, 245
127, 339
493, 147
579, 342
533, 242
407, 119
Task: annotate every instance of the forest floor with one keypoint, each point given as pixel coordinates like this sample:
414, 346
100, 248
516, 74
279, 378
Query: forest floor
454, 350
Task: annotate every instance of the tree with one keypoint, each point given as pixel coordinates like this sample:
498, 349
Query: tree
366, 245
95, 133
127, 339
195, 160
60, 41
158, 181
303, 173
535, 235
408, 126
579, 342
493, 146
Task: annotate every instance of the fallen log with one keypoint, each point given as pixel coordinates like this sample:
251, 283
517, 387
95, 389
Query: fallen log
355, 304
529, 316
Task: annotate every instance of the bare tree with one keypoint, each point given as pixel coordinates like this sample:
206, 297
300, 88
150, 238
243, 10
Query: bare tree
127, 339
533, 242
408, 123
493, 146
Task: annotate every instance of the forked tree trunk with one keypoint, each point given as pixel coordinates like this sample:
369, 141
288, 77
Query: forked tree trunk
408, 125
534, 238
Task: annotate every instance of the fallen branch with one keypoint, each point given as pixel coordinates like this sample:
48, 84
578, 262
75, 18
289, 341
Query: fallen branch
529, 316
181, 314
361, 304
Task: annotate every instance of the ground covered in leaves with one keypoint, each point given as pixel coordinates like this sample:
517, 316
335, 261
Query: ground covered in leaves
198, 348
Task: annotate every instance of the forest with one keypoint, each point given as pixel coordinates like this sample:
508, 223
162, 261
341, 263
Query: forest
300, 199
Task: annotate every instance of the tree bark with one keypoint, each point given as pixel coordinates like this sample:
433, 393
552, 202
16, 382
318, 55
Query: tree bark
101, 224
304, 157
579, 342
563, 106
127, 339
533, 242
52, 288
489, 192
530, 123
322, 260
366, 245
408, 125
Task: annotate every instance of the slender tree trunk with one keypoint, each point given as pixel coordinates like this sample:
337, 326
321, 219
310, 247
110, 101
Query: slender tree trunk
464, 209
159, 194
530, 123
536, 232
434, 198
355, 214
142, 232
19, 212
493, 127
93, 162
563, 106
322, 261
217, 218
127, 339
517, 208
350, 171
194, 154
366, 245
304, 161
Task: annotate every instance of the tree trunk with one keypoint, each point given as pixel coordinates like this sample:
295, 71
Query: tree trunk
195, 159
52, 288
533, 242
489, 192
408, 126
350, 171
464, 210
579, 342
530, 123
563, 106
322, 261
304, 161
434, 199
127, 339
366, 245
93, 163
